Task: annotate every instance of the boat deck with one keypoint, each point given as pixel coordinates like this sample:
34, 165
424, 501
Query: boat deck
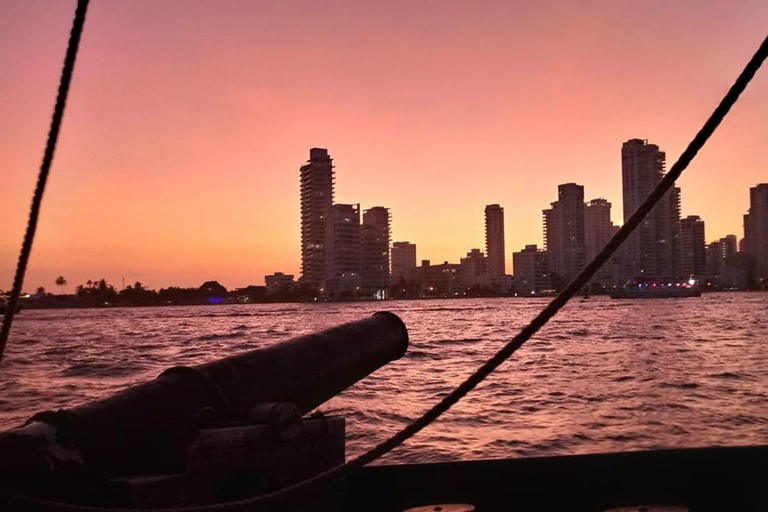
701, 480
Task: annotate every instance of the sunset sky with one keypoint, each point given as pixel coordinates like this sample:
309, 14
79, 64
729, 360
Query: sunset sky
187, 122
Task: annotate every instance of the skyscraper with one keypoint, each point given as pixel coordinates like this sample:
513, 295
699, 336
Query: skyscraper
375, 250
598, 230
403, 261
652, 248
494, 240
564, 232
693, 256
755, 243
316, 198
342, 267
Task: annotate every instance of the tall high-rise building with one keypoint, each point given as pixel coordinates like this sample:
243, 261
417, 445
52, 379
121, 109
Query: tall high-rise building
564, 232
652, 249
375, 250
693, 256
494, 240
598, 230
403, 261
342, 242
316, 198
755, 243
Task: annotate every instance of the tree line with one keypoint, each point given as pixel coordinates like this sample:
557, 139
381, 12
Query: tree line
101, 293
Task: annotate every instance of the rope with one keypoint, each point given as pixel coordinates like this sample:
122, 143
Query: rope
494, 362
42, 179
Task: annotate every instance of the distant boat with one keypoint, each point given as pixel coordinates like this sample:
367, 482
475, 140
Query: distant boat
656, 288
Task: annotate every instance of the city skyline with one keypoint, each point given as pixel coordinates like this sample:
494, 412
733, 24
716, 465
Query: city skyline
177, 161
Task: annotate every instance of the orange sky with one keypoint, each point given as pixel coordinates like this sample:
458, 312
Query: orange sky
187, 123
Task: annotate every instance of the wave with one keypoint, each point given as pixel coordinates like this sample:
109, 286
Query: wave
460, 340
680, 385
216, 336
416, 354
727, 375
101, 370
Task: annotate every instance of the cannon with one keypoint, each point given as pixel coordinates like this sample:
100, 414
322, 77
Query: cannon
148, 428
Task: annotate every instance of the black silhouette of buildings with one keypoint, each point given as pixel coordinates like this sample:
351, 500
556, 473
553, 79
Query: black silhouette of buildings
346, 255
719, 253
473, 270
278, 281
403, 261
726, 267
316, 198
375, 233
343, 255
693, 256
443, 280
598, 230
564, 232
494, 241
755, 242
531, 270
652, 249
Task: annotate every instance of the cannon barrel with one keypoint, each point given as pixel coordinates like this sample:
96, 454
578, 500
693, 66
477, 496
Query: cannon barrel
150, 425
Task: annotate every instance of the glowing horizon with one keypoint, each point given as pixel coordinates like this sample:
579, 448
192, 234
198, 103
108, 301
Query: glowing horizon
180, 150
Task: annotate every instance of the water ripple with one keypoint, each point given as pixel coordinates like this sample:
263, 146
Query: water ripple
602, 376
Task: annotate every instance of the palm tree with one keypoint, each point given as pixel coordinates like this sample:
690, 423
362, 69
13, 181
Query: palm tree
60, 281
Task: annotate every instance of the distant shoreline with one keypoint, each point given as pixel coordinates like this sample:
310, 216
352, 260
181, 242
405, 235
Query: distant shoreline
45, 303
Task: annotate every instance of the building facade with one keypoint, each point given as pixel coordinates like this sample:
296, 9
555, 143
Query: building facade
693, 256
343, 256
316, 198
443, 280
531, 271
403, 261
598, 230
726, 267
375, 232
719, 254
494, 241
652, 249
564, 232
473, 269
278, 281
755, 243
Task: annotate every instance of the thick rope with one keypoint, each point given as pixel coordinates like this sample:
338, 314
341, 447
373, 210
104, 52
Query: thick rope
494, 362
42, 179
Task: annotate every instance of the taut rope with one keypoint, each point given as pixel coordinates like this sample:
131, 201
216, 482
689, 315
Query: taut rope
494, 362
42, 179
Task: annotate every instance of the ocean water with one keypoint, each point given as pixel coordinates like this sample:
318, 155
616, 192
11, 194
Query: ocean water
604, 375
